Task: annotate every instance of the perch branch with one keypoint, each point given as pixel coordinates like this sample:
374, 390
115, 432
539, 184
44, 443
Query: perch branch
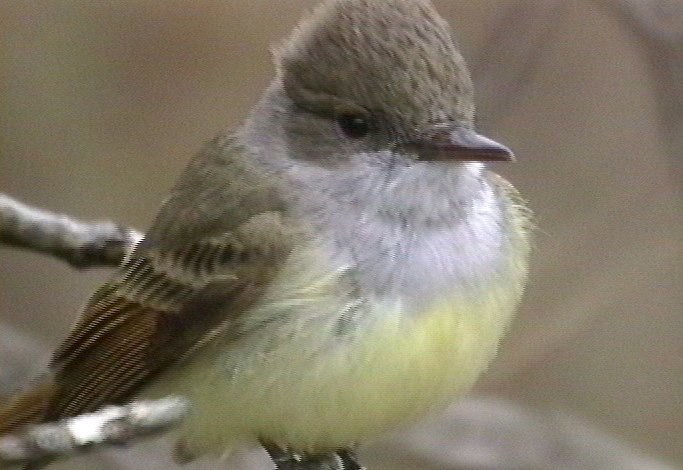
113, 425
81, 244
121, 425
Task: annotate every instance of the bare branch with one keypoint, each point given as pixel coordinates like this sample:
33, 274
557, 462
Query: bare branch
81, 244
113, 425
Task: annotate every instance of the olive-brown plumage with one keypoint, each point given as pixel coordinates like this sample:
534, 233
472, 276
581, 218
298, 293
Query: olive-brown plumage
413, 74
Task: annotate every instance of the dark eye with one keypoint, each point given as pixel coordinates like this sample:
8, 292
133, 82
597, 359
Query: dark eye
353, 125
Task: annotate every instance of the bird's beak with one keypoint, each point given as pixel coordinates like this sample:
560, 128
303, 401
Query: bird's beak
444, 143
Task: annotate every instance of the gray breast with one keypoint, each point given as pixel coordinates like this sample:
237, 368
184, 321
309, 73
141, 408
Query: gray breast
404, 251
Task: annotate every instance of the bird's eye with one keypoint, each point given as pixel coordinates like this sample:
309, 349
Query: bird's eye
354, 126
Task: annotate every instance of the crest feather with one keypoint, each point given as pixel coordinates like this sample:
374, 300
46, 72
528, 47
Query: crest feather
395, 57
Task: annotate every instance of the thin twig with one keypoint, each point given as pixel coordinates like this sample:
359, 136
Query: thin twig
81, 244
113, 425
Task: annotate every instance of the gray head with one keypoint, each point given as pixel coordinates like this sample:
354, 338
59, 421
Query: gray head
375, 78
394, 60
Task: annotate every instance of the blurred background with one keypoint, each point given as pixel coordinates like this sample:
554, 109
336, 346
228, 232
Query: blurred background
103, 103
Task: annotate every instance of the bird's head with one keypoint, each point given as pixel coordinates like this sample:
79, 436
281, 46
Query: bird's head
375, 79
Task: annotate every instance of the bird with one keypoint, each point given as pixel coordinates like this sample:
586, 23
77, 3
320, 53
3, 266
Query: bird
340, 265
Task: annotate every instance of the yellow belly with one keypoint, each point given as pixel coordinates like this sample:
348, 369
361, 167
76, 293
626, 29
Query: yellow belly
310, 396
295, 380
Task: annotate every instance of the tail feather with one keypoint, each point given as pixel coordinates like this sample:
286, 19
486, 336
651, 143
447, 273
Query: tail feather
27, 407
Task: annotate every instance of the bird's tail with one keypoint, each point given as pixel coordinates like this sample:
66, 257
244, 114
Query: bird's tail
26, 407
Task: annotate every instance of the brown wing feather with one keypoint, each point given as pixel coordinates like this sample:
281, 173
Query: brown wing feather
26, 407
109, 370
196, 269
138, 325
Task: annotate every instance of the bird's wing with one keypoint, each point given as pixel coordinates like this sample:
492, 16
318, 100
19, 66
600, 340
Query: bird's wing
217, 240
